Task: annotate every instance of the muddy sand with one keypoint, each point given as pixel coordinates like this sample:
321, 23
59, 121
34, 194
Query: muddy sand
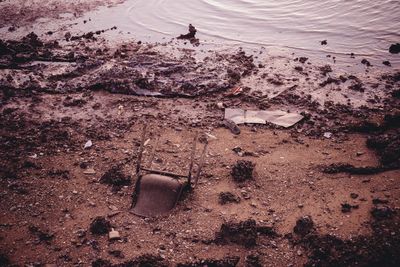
324, 192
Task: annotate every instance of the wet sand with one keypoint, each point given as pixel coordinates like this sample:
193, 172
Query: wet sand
57, 96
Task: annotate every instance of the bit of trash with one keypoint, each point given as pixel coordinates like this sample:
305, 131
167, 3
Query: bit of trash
89, 171
113, 235
88, 144
234, 92
210, 136
231, 125
34, 156
278, 117
120, 110
145, 92
328, 135
220, 105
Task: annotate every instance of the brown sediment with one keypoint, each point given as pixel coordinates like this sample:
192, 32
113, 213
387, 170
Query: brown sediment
57, 95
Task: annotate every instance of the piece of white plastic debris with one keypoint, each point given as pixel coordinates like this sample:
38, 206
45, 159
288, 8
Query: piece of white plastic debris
34, 156
278, 117
113, 235
88, 144
328, 135
211, 136
89, 171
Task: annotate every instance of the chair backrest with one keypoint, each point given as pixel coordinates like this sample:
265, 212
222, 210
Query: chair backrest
140, 168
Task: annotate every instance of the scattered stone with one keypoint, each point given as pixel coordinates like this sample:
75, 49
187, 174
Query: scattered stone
243, 170
228, 197
366, 62
304, 226
324, 42
386, 63
303, 59
100, 226
353, 195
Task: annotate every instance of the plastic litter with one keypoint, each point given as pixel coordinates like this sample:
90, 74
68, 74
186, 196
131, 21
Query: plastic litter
278, 117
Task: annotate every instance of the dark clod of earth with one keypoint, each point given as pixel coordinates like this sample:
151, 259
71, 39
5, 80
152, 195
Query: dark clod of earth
382, 212
394, 48
115, 177
225, 262
304, 226
41, 234
346, 207
228, 197
253, 260
242, 233
381, 248
100, 226
242, 170
146, 260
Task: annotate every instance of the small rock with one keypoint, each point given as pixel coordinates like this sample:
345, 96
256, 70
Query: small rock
353, 195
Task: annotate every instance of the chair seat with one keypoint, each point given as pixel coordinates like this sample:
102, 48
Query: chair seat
156, 195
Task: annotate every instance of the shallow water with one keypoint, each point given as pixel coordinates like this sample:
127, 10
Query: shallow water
366, 28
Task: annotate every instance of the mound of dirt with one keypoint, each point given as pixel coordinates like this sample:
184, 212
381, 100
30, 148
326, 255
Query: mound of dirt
253, 260
242, 233
42, 235
115, 177
228, 197
225, 262
382, 248
242, 171
145, 260
100, 226
304, 226
4, 260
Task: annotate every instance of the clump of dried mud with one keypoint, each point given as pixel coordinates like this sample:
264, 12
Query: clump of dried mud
242, 171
